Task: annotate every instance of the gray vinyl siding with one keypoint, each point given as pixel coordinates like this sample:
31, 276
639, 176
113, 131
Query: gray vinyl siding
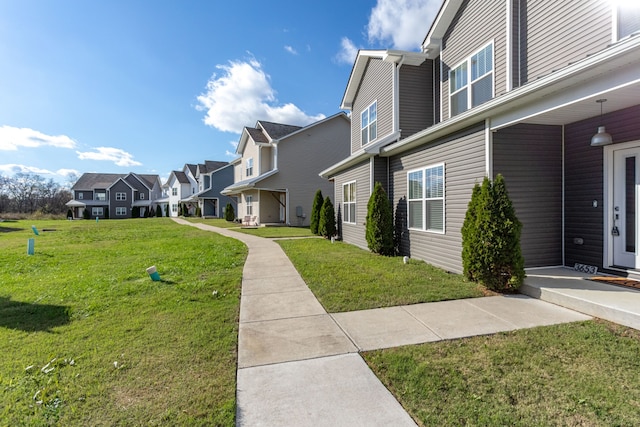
416, 98
120, 187
376, 84
584, 182
530, 159
301, 157
476, 23
221, 179
547, 41
463, 155
86, 195
380, 172
355, 233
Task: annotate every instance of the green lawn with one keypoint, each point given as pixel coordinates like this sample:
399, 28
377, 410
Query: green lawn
216, 222
346, 278
88, 339
578, 374
267, 232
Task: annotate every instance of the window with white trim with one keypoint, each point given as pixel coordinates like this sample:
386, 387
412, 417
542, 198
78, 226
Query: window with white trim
249, 203
426, 199
121, 196
97, 211
174, 191
349, 202
369, 123
628, 18
141, 196
249, 167
100, 197
121, 211
80, 196
174, 207
471, 82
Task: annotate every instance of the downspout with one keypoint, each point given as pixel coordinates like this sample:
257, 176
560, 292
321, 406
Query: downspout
563, 198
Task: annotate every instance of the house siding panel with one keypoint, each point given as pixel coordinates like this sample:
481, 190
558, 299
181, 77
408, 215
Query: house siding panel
584, 183
355, 233
530, 159
547, 43
463, 155
120, 187
376, 84
380, 172
476, 23
416, 98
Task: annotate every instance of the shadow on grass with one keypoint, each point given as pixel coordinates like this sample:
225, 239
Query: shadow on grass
31, 317
9, 229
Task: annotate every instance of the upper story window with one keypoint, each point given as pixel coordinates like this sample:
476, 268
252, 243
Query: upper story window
121, 196
349, 202
471, 82
174, 191
369, 123
100, 196
426, 199
249, 167
80, 195
141, 196
628, 18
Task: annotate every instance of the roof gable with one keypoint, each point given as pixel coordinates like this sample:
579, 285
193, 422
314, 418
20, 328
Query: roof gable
90, 181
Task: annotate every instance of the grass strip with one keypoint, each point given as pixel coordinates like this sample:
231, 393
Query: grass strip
346, 278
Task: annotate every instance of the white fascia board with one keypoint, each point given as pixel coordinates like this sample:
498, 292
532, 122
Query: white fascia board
441, 23
352, 160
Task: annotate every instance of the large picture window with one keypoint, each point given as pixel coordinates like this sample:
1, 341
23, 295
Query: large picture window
471, 82
349, 202
100, 197
97, 211
369, 123
426, 199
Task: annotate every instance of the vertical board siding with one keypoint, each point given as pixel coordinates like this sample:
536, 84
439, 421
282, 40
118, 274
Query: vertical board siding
463, 157
416, 98
476, 23
584, 182
549, 43
376, 84
530, 159
355, 233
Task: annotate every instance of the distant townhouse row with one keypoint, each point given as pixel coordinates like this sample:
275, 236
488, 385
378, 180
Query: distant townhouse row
272, 181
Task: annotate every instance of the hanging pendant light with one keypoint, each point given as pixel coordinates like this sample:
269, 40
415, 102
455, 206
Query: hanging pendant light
601, 138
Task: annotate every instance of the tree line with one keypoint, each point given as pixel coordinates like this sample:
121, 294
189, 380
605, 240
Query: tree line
29, 193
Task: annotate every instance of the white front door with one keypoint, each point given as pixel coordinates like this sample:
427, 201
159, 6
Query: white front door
626, 185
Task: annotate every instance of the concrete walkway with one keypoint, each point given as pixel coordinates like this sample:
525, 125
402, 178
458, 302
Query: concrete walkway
299, 365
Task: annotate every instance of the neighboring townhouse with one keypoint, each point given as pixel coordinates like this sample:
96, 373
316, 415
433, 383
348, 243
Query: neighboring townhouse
114, 195
181, 186
213, 177
276, 175
514, 90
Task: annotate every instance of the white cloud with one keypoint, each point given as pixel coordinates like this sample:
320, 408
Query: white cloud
291, 50
11, 138
229, 153
115, 155
67, 172
403, 23
14, 168
243, 95
348, 52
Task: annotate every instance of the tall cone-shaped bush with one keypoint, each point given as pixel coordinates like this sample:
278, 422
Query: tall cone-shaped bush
379, 226
327, 223
314, 221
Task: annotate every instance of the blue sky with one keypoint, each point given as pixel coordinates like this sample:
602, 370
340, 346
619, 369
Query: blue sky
147, 86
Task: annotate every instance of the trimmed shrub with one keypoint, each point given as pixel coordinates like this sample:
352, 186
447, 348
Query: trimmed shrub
69, 214
135, 212
86, 214
106, 212
198, 212
379, 225
166, 210
491, 252
314, 221
327, 223
159, 211
229, 213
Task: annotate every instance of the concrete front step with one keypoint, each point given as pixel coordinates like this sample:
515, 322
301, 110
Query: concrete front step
567, 288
